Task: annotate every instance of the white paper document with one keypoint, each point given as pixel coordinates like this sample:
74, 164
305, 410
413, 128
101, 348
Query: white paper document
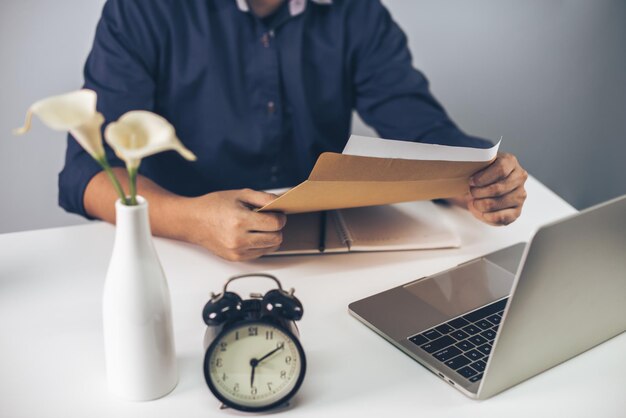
389, 148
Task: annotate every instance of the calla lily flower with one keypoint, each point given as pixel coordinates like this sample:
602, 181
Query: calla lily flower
74, 112
138, 134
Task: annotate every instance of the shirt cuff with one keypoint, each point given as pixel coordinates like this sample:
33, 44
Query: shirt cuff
73, 181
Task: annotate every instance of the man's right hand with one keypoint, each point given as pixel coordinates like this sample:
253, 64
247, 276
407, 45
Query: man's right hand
226, 224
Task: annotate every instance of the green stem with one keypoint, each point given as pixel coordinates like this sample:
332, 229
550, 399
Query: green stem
132, 176
116, 184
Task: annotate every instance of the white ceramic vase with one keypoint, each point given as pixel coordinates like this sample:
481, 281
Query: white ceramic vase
138, 333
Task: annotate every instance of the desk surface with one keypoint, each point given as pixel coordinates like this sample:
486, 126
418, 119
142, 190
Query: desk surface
51, 349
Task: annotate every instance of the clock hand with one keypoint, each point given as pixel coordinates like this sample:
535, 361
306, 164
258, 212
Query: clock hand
280, 347
253, 363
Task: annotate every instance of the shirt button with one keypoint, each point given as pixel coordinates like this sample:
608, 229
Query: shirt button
271, 107
274, 169
265, 40
274, 179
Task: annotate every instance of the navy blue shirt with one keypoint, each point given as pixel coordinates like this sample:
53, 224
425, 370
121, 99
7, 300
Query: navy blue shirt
257, 100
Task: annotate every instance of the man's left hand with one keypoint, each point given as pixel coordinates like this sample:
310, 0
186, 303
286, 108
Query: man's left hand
497, 192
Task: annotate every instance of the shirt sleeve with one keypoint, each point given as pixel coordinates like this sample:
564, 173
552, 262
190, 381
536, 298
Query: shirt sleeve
120, 70
391, 96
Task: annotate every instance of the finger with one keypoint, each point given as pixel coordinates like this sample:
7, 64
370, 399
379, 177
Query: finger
500, 169
477, 214
502, 217
246, 248
252, 254
512, 199
498, 218
265, 221
517, 178
261, 240
254, 198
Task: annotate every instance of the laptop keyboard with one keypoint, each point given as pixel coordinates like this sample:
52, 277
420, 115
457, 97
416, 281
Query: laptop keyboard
464, 343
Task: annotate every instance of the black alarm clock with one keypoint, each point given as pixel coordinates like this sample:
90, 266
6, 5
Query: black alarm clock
254, 361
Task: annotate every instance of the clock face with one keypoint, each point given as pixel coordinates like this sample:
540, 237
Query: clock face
254, 366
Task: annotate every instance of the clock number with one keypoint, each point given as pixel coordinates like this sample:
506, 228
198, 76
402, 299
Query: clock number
223, 346
236, 387
236, 335
224, 377
253, 390
269, 335
269, 386
218, 362
288, 360
252, 331
283, 374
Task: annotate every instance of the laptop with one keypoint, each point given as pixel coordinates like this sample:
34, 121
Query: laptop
495, 321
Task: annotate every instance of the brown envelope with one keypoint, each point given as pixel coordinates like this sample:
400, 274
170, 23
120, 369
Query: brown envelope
345, 181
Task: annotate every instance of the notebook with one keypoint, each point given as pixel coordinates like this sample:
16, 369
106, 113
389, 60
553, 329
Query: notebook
402, 226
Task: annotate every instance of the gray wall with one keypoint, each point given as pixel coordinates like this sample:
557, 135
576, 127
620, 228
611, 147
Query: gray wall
548, 75
43, 46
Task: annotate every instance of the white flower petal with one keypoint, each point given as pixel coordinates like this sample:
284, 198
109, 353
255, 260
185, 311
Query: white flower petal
63, 112
89, 135
74, 112
138, 134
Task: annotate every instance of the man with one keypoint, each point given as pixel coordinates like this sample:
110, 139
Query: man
257, 89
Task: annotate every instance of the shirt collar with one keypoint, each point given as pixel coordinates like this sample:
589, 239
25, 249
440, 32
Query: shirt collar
295, 6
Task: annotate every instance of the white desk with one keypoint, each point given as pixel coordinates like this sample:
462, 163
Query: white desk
51, 350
